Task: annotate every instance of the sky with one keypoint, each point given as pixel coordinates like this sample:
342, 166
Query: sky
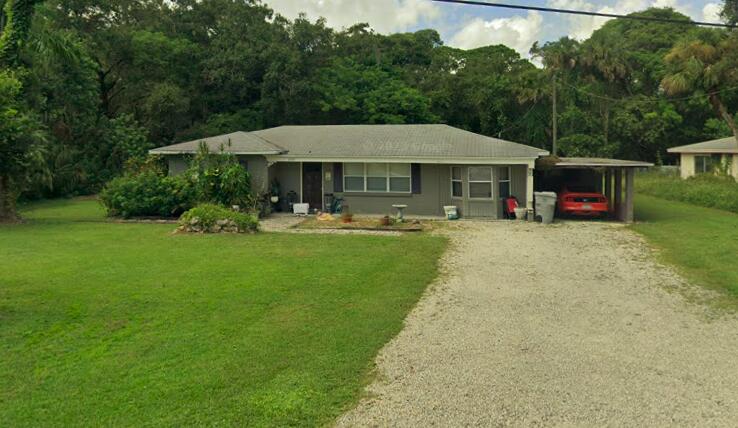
469, 27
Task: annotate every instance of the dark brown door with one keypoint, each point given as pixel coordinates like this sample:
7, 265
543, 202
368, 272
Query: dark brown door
312, 184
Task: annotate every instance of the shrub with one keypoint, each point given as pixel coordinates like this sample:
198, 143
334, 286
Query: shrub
220, 179
705, 190
211, 218
148, 194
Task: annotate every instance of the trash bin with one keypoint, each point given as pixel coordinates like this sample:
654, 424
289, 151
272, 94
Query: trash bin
545, 206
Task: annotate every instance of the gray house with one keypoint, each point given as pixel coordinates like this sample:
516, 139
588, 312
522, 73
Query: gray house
373, 167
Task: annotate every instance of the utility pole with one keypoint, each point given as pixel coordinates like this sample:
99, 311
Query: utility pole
555, 130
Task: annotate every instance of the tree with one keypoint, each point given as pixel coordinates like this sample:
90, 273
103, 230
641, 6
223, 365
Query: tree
353, 93
21, 153
16, 16
730, 11
706, 65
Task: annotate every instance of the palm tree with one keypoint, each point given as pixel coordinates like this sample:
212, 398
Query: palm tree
709, 66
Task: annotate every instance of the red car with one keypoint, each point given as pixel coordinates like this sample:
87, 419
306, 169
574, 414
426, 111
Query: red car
581, 201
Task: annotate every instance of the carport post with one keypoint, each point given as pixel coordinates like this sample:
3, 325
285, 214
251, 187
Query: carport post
608, 188
629, 193
529, 189
618, 193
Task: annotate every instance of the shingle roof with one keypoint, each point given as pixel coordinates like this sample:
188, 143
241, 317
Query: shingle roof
235, 142
721, 145
423, 141
373, 141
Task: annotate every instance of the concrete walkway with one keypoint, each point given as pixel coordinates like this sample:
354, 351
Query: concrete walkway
570, 324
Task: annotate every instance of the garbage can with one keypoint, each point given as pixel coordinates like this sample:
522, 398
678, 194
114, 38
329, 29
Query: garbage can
545, 206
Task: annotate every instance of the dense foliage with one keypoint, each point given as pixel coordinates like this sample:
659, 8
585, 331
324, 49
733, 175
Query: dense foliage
206, 216
149, 193
220, 179
711, 191
96, 83
216, 178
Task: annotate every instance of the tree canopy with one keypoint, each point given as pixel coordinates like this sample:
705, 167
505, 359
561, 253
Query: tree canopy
88, 86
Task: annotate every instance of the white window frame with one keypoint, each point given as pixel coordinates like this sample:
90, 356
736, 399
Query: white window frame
508, 181
460, 180
343, 167
491, 183
409, 179
386, 179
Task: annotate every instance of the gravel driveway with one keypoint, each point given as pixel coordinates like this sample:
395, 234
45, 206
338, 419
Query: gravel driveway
570, 324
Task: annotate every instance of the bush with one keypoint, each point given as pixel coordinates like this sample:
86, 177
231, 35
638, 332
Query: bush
220, 179
711, 191
148, 194
211, 218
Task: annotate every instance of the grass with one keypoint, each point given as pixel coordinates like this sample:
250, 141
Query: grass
700, 242
104, 323
702, 190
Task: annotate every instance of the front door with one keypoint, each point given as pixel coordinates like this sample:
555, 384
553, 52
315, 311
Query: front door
312, 184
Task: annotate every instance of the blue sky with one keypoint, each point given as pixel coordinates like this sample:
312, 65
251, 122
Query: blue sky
474, 26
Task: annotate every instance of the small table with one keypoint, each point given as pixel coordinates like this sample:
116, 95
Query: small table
400, 217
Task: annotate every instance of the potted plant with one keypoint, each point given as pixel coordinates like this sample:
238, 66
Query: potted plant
346, 217
384, 221
275, 191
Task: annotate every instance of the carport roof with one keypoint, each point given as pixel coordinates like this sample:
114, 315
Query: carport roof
600, 163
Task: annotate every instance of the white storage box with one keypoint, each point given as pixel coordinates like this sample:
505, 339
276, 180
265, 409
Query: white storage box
301, 209
452, 212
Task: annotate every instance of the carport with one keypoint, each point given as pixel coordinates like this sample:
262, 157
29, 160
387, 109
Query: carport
613, 177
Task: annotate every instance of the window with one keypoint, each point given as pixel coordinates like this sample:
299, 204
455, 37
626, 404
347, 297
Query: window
504, 182
399, 177
353, 177
457, 184
480, 182
706, 164
377, 177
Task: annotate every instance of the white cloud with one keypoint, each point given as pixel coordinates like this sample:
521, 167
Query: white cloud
711, 12
581, 27
517, 32
384, 16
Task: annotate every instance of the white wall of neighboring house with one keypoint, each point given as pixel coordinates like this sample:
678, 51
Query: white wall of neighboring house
686, 166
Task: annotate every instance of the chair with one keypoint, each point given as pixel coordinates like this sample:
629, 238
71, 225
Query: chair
509, 207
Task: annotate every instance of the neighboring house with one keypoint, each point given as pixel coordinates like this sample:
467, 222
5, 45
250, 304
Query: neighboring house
373, 167
708, 157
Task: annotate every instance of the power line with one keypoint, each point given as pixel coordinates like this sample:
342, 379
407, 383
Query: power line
581, 12
519, 121
649, 99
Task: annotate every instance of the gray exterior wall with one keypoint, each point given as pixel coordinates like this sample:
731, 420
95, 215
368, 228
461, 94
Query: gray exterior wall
435, 191
435, 188
488, 208
428, 202
288, 175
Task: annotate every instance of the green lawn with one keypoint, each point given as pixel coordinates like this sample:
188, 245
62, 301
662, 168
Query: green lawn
126, 324
701, 242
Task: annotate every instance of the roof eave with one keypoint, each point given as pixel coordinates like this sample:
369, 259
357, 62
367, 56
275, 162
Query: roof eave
698, 151
192, 152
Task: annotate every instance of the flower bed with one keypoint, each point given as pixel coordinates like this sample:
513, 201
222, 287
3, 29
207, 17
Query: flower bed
210, 218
